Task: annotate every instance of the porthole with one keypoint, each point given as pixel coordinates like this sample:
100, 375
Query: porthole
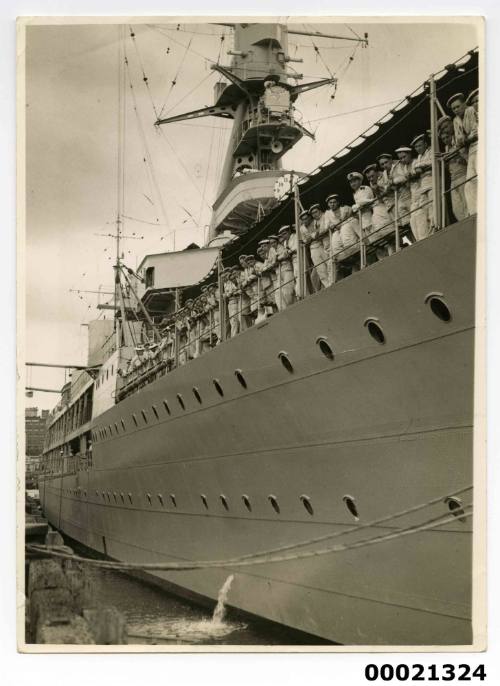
325, 348
144, 416
167, 408
456, 508
218, 387
239, 375
160, 498
223, 500
439, 308
285, 361
135, 419
197, 395
246, 501
148, 495
181, 401
204, 500
155, 412
306, 502
274, 502
172, 498
375, 331
351, 506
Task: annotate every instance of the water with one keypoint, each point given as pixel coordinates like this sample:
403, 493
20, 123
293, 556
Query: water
155, 617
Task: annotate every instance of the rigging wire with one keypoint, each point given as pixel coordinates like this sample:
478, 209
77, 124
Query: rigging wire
176, 76
207, 76
144, 77
145, 144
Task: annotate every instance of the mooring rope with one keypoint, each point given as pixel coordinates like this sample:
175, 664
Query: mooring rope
263, 557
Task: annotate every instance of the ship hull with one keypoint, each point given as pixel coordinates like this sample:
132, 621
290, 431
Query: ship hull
389, 425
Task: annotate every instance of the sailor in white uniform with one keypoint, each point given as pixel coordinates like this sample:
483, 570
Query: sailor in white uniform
456, 162
386, 164
283, 257
319, 255
380, 215
400, 181
470, 125
363, 199
422, 166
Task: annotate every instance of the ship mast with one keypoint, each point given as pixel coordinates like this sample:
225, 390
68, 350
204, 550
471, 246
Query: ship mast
120, 188
257, 94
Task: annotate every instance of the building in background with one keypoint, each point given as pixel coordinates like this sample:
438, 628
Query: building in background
36, 425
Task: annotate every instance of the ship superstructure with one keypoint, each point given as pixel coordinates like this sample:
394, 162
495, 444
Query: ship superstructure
340, 417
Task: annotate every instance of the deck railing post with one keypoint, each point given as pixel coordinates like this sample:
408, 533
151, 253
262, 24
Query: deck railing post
176, 351
300, 254
396, 221
436, 182
362, 247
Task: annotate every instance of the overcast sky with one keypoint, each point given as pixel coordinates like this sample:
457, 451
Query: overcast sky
71, 147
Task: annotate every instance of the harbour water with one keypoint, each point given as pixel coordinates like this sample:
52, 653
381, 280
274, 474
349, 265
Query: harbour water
155, 617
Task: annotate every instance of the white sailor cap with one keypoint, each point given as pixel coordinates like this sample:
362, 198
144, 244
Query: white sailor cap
457, 96
421, 136
384, 155
333, 196
304, 214
472, 95
354, 175
273, 239
251, 258
284, 228
370, 167
403, 148
315, 206
264, 241
242, 258
442, 120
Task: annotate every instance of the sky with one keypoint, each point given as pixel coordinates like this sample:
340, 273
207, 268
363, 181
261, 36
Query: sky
71, 148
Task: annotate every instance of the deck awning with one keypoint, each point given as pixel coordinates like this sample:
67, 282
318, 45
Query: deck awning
397, 127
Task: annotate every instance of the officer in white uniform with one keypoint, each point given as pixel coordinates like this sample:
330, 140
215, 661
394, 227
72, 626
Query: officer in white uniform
422, 166
319, 255
283, 257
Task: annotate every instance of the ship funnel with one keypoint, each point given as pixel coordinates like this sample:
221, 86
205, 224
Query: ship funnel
276, 146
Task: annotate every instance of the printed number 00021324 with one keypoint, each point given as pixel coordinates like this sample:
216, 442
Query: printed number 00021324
419, 672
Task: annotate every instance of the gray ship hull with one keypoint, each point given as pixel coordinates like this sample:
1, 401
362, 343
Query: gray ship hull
388, 424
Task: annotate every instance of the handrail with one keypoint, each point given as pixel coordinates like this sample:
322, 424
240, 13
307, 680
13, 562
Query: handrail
357, 250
